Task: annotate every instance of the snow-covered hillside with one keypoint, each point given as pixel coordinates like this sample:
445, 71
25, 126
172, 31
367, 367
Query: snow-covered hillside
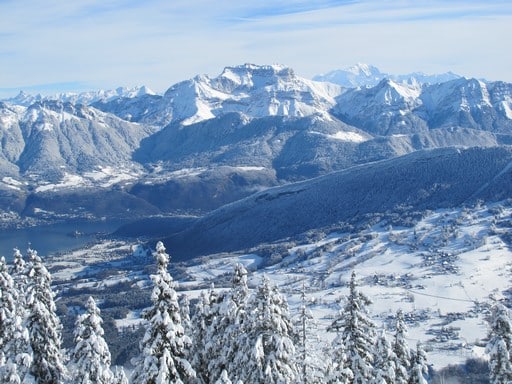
422, 180
444, 272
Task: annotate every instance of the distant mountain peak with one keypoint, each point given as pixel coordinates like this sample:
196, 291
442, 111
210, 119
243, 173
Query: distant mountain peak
254, 90
363, 69
365, 75
88, 97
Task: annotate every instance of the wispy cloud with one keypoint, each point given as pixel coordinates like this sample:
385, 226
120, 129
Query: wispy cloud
158, 42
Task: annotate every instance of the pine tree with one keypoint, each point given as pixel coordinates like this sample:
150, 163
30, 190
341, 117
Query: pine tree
91, 357
223, 379
44, 326
499, 345
8, 312
18, 271
205, 312
268, 353
119, 376
185, 314
18, 347
9, 373
337, 370
217, 326
384, 361
310, 362
401, 350
232, 319
7, 305
419, 366
164, 345
357, 338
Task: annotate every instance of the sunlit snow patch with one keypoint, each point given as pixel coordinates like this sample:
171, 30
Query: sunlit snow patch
348, 136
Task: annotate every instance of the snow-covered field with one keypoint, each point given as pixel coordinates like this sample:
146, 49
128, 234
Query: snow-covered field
444, 273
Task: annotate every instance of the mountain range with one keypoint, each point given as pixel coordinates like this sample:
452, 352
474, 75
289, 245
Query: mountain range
364, 75
209, 141
407, 179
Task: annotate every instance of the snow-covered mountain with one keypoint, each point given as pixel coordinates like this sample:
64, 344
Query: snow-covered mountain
392, 108
224, 137
364, 75
49, 139
90, 97
256, 91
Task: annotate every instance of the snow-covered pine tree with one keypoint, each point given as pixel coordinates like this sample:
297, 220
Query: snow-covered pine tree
384, 361
268, 353
119, 376
401, 350
419, 367
219, 318
223, 379
206, 310
357, 334
164, 344
43, 325
18, 271
7, 305
337, 370
18, 348
185, 314
310, 362
91, 357
499, 345
8, 368
233, 314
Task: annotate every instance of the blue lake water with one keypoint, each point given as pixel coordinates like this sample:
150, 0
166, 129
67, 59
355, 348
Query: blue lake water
49, 239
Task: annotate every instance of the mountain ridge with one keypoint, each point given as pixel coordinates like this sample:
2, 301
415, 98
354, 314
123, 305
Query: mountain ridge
420, 181
247, 129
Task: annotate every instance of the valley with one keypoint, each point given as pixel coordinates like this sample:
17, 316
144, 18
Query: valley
405, 180
444, 271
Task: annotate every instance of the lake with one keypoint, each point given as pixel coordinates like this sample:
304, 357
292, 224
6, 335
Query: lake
53, 238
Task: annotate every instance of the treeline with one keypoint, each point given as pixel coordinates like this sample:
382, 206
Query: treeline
235, 336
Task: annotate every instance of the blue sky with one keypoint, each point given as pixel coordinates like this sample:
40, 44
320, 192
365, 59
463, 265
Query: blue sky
56, 45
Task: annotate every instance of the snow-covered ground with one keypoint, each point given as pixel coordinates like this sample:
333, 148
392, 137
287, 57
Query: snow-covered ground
444, 273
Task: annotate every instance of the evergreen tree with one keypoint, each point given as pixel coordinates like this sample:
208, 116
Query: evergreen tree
219, 322
499, 345
223, 379
9, 373
7, 305
401, 350
164, 345
185, 314
8, 326
419, 366
43, 325
205, 312
338, 371
268, 353
91, 356
17, 348
18, 271
357, 337
231, 322
310, 363
119, 376
384, 361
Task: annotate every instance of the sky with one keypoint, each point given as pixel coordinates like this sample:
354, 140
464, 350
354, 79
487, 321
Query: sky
56, 46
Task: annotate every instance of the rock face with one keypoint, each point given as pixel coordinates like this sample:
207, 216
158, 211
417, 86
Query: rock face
222, 138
